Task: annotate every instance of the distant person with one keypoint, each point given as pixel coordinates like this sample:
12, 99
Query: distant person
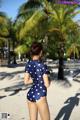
37, 73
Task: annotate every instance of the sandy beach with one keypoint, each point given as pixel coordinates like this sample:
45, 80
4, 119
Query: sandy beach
63, 100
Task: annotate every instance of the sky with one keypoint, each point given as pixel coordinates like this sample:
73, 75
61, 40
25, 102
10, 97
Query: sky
11, 8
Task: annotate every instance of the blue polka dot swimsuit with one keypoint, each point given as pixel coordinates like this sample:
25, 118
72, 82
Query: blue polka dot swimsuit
36, 69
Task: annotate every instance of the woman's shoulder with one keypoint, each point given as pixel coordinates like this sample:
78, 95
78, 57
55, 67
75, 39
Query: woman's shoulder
38, 63
28, 63
42, 64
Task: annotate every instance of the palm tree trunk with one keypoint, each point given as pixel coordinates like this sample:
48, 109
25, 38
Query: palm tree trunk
61, 69
61, 63
14, 56
8, 51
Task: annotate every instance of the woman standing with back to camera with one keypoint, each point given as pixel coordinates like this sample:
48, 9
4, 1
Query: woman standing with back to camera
36, 72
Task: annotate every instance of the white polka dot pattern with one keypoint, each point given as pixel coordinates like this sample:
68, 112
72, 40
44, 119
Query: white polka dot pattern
40, 87
36, 69
33, 96
38, 93
44, 91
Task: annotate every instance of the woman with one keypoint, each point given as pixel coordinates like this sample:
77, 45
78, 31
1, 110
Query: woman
36, 72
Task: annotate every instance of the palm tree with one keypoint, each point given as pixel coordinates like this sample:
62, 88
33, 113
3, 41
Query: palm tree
3, 25
73, 46
3, 31
7, 34
12, 39
25, 12
57, 17
65, 19
30, 13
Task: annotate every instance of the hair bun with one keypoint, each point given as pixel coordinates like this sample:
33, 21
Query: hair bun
35, 48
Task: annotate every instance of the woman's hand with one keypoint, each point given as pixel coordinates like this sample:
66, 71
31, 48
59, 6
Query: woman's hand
46, 80
27, 78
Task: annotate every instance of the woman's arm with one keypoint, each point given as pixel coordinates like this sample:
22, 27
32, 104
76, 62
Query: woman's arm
46, 80
27, 79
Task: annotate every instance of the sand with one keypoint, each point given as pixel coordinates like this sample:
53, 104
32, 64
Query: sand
13, 96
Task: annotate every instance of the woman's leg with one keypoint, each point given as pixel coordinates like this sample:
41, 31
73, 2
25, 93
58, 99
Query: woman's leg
43, 108
33, 110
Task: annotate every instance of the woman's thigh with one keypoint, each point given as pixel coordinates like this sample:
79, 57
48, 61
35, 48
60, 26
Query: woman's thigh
33, 110
43, 108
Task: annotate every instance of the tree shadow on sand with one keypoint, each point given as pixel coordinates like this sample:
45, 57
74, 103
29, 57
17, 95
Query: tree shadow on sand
2, 96
15, 89
11, 75
65, 112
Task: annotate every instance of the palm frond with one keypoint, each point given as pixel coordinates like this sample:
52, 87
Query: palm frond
3, 24
3, 14
28, 7
73, 49
22, 49
31, 23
